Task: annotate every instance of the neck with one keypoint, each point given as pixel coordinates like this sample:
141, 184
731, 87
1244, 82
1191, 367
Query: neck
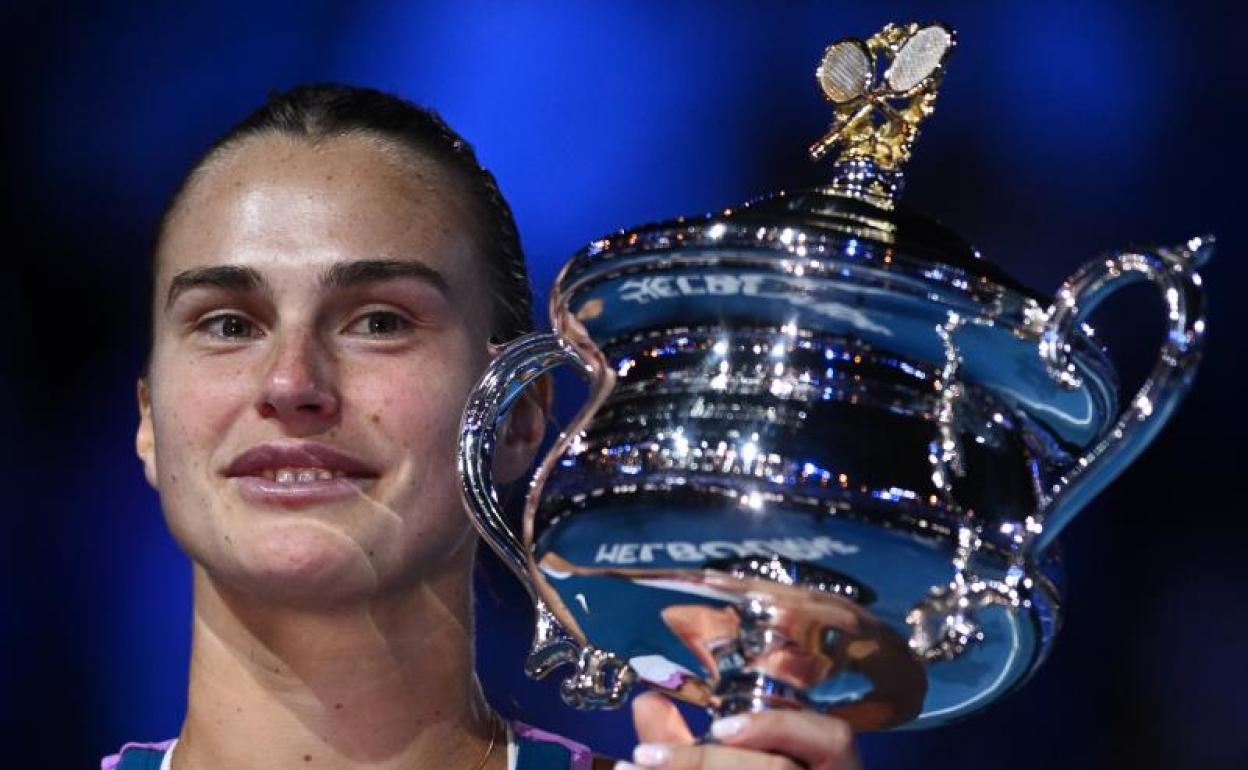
385, 684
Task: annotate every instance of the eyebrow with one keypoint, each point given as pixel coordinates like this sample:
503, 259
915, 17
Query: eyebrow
230, 277
347, 274
340, 275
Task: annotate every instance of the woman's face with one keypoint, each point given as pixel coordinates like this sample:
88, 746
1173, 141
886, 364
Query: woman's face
321, 314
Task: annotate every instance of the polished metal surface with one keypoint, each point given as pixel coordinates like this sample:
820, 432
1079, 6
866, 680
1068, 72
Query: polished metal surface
826, 449
1173, 272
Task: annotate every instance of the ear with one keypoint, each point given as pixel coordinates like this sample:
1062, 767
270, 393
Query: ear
145, 437
522, 431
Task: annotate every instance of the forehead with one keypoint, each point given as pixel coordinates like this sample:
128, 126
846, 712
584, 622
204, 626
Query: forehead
281, 203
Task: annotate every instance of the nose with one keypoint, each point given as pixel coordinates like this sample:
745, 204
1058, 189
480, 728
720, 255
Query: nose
299, 387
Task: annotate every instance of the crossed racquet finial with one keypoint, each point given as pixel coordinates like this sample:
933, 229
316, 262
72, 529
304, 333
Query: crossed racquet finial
882, 88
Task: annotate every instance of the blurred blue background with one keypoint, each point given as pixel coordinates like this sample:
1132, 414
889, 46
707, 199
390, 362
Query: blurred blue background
1064, 129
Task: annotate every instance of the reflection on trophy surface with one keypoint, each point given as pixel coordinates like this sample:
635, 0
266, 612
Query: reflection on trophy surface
827, 447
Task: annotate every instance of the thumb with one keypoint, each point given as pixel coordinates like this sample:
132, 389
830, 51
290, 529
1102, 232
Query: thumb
657, 720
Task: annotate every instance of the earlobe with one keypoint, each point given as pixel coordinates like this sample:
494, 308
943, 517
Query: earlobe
145, 436
521, 433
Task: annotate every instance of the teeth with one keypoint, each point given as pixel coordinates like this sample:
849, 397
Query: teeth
302, 475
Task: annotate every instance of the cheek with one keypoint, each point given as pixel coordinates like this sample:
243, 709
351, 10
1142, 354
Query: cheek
191, 415
191, 420
417, 403
418, 415
414, 409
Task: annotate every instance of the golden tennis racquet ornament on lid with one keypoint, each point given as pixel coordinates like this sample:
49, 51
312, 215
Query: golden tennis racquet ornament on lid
883, 87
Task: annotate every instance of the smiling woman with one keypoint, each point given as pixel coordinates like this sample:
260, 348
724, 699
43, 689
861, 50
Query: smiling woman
318, 322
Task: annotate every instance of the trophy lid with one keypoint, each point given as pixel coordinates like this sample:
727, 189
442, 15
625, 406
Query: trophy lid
844, 251
881, 88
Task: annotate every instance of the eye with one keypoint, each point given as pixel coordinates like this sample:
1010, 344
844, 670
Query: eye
229, 326
379, 323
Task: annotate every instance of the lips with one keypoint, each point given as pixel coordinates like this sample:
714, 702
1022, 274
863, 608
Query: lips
296, 474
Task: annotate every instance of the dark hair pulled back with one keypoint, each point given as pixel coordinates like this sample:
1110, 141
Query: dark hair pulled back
327, 110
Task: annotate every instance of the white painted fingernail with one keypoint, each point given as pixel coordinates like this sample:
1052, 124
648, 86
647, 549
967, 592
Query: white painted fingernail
729, 726
622, 765
651, 754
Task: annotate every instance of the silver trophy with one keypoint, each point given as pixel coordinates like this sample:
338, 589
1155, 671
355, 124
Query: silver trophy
827, 448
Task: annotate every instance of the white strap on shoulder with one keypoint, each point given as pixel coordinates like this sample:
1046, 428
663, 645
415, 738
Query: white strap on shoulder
166, 762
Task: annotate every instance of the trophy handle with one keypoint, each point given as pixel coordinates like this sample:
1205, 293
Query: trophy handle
1173, 272
517, 365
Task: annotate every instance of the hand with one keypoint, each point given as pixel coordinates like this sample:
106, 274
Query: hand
769, 740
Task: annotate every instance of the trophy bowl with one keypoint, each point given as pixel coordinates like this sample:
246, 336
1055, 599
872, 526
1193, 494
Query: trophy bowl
827, 447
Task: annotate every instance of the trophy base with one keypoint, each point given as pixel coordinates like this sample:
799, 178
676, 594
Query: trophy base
831, 631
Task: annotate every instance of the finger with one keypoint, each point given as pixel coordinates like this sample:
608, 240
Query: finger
819, 741
660, 756
657, 720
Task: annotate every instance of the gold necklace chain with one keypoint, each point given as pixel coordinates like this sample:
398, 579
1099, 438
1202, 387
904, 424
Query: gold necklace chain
495, 722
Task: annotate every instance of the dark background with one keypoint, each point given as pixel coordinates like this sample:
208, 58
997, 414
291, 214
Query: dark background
1064, 129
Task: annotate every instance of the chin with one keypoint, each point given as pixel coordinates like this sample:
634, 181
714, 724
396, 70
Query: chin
309, 565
